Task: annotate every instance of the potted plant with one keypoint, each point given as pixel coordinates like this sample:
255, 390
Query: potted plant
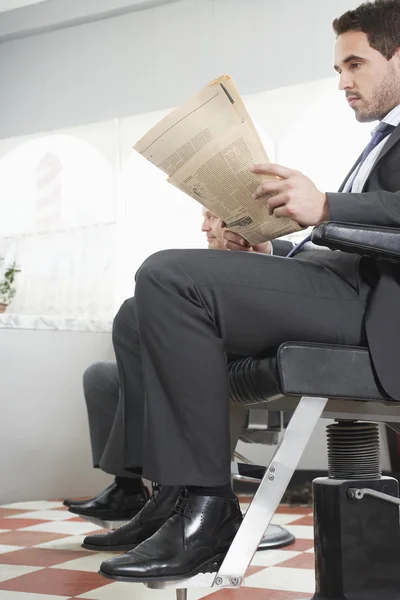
7, 287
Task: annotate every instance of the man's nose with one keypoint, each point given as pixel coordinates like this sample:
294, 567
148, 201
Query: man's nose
345, 81
205, 227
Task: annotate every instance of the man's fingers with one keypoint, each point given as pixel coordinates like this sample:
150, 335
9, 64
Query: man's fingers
232, 246
272, 169
276, 201
282, 211
269, 187
234, 238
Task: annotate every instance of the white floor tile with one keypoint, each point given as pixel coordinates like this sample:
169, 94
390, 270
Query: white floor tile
4, 549
11, 571
5, 595
72, 542
46, 515
88, 563
286, 579
38, 505
63, 527
270, 558
285, 518
4, 530
301, 532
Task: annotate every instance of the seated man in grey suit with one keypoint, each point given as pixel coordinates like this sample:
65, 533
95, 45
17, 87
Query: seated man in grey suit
127, 495
193, 309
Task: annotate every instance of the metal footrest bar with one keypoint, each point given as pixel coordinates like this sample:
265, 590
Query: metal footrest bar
270, 492
261, 510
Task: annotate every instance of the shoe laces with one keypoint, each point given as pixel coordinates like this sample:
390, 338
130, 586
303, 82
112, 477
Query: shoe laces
183, 508
155, 489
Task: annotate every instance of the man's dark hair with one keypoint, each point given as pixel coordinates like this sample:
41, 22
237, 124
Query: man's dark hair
379, 20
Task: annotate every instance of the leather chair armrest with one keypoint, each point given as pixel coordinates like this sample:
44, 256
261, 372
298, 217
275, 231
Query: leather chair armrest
376, 242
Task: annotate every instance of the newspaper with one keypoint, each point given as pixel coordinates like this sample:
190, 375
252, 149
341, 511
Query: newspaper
206, 147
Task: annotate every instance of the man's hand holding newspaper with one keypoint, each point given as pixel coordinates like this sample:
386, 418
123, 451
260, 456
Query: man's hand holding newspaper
207, 147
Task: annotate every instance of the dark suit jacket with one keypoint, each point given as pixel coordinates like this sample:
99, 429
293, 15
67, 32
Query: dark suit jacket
377, 204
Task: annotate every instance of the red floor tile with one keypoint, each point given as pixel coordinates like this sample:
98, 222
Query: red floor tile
55, 581
19, 523
9, 512
304, 521
28, 538
245, 499
40, 557
302, 561
253, 569
301, 545
245, 593
296, 510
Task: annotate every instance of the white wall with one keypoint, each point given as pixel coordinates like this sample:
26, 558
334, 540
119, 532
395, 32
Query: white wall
44, 441
150, 59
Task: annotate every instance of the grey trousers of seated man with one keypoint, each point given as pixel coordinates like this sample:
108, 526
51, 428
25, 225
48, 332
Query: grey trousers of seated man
106, 424
193, 309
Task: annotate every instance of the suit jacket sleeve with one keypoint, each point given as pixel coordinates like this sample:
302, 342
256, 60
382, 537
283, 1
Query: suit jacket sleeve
281, 247
368, 208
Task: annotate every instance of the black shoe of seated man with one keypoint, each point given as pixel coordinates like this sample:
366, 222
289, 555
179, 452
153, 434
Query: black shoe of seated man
195, 539
149, 520
114, 504
72, 502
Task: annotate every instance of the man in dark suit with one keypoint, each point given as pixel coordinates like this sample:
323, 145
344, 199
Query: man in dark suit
127, 495
195, 308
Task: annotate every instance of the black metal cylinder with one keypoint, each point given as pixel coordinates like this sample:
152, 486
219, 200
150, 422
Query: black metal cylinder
357, 542
353, 451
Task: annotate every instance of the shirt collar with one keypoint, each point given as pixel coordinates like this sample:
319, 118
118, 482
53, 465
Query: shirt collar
393, 118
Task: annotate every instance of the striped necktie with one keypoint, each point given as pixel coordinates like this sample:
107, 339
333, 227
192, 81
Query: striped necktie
382, 131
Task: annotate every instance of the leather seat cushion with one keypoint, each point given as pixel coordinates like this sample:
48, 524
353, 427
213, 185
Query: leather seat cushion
304, 369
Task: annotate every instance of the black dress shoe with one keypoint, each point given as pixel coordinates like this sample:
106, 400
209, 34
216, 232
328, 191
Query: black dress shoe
73, 502
112, 505
142, 526
195, 539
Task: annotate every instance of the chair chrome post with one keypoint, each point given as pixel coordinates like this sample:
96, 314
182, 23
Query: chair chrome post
270, 492
181, 594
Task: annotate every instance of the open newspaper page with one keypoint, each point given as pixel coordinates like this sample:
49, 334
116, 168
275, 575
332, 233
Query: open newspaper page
214, 124
219, 177
187, 129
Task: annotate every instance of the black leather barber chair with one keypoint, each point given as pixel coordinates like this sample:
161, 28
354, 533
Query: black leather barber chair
356, 510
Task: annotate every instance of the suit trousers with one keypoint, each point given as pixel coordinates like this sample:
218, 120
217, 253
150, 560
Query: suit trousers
105, 415
106, 409
194, 309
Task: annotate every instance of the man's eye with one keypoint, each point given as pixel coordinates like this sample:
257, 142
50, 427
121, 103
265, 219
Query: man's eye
355, 65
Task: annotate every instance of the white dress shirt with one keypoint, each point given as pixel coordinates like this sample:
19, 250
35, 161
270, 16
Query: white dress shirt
357, 180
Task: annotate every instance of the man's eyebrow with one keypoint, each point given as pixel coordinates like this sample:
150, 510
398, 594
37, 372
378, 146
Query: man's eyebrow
349, 59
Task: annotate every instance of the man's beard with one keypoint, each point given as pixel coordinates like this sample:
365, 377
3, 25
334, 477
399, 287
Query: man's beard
385, 98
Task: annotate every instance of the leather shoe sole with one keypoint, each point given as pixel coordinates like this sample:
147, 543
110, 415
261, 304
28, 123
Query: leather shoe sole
210, 566
117, 548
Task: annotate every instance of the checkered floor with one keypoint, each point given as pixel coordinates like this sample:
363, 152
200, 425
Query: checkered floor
41, 559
